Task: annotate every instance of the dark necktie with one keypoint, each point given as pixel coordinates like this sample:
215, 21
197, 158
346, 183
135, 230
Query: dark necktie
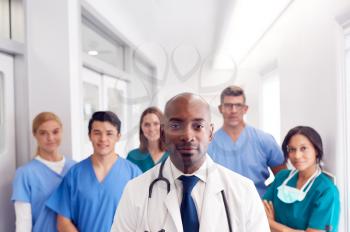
188, 209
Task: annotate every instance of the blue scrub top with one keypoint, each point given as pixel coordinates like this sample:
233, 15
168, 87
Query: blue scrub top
250, 155
319, 210
88, 203
34, 183
144, 160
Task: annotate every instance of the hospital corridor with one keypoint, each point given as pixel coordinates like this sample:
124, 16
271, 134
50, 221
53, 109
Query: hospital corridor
164, 115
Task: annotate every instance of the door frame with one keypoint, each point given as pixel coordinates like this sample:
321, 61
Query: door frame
8, 159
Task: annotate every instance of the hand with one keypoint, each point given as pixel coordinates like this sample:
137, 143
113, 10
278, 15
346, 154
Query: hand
270, 212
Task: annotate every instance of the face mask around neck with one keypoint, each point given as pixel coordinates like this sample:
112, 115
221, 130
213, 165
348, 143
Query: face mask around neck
289, 194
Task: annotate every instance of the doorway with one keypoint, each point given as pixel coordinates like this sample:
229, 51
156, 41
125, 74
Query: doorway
7, 142
103, 92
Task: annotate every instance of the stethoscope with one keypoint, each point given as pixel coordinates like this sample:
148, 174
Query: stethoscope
162, 178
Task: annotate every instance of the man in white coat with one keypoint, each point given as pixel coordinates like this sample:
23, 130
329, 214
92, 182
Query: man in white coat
220, 200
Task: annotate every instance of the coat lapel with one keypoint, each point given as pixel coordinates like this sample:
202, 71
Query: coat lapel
213, 210
213, 201
171, 201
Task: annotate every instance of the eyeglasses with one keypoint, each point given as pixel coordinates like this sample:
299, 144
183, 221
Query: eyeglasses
231, 106
293, 150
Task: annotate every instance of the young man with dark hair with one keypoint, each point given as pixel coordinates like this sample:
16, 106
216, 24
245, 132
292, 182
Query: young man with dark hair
89, 194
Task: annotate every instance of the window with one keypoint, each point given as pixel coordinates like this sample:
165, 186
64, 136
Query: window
98, 44
12, 20
104, 55
113, 69
4, 19
143, 67
270, 105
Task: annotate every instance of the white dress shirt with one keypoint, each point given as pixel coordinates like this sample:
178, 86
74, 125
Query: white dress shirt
198, 191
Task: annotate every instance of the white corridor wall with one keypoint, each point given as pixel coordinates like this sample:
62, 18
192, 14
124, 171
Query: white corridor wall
304, 43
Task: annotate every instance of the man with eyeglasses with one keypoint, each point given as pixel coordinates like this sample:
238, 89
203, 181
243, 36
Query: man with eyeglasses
243, 148
188, 192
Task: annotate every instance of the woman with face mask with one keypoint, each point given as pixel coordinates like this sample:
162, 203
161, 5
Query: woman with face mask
151, 150
302, 199
35, 181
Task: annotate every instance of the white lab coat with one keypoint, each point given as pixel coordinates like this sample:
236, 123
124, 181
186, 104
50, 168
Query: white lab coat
245, 206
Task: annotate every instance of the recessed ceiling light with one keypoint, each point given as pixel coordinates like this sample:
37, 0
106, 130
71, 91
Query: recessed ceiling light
93, 53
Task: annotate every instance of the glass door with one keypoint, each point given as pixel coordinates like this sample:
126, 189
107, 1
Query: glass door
92, 101
103, 92
114, 90
7, 142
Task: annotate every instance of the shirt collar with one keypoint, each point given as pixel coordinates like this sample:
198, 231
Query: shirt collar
201, 173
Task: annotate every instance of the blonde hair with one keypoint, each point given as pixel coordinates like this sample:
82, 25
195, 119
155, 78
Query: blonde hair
42, 118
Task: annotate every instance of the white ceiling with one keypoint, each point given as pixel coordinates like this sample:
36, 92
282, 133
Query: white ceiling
227, 26
169, 23
250, 21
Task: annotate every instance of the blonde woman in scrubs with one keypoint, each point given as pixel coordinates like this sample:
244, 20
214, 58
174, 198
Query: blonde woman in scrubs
36, 180
304, 199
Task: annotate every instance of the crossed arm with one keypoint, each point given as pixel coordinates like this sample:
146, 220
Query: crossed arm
278, 227
65, 225
278, 168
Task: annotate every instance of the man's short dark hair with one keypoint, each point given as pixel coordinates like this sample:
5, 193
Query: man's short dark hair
232, 90
105, 116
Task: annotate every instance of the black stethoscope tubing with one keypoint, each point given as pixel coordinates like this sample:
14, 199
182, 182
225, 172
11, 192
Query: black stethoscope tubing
162, 178
159, 178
